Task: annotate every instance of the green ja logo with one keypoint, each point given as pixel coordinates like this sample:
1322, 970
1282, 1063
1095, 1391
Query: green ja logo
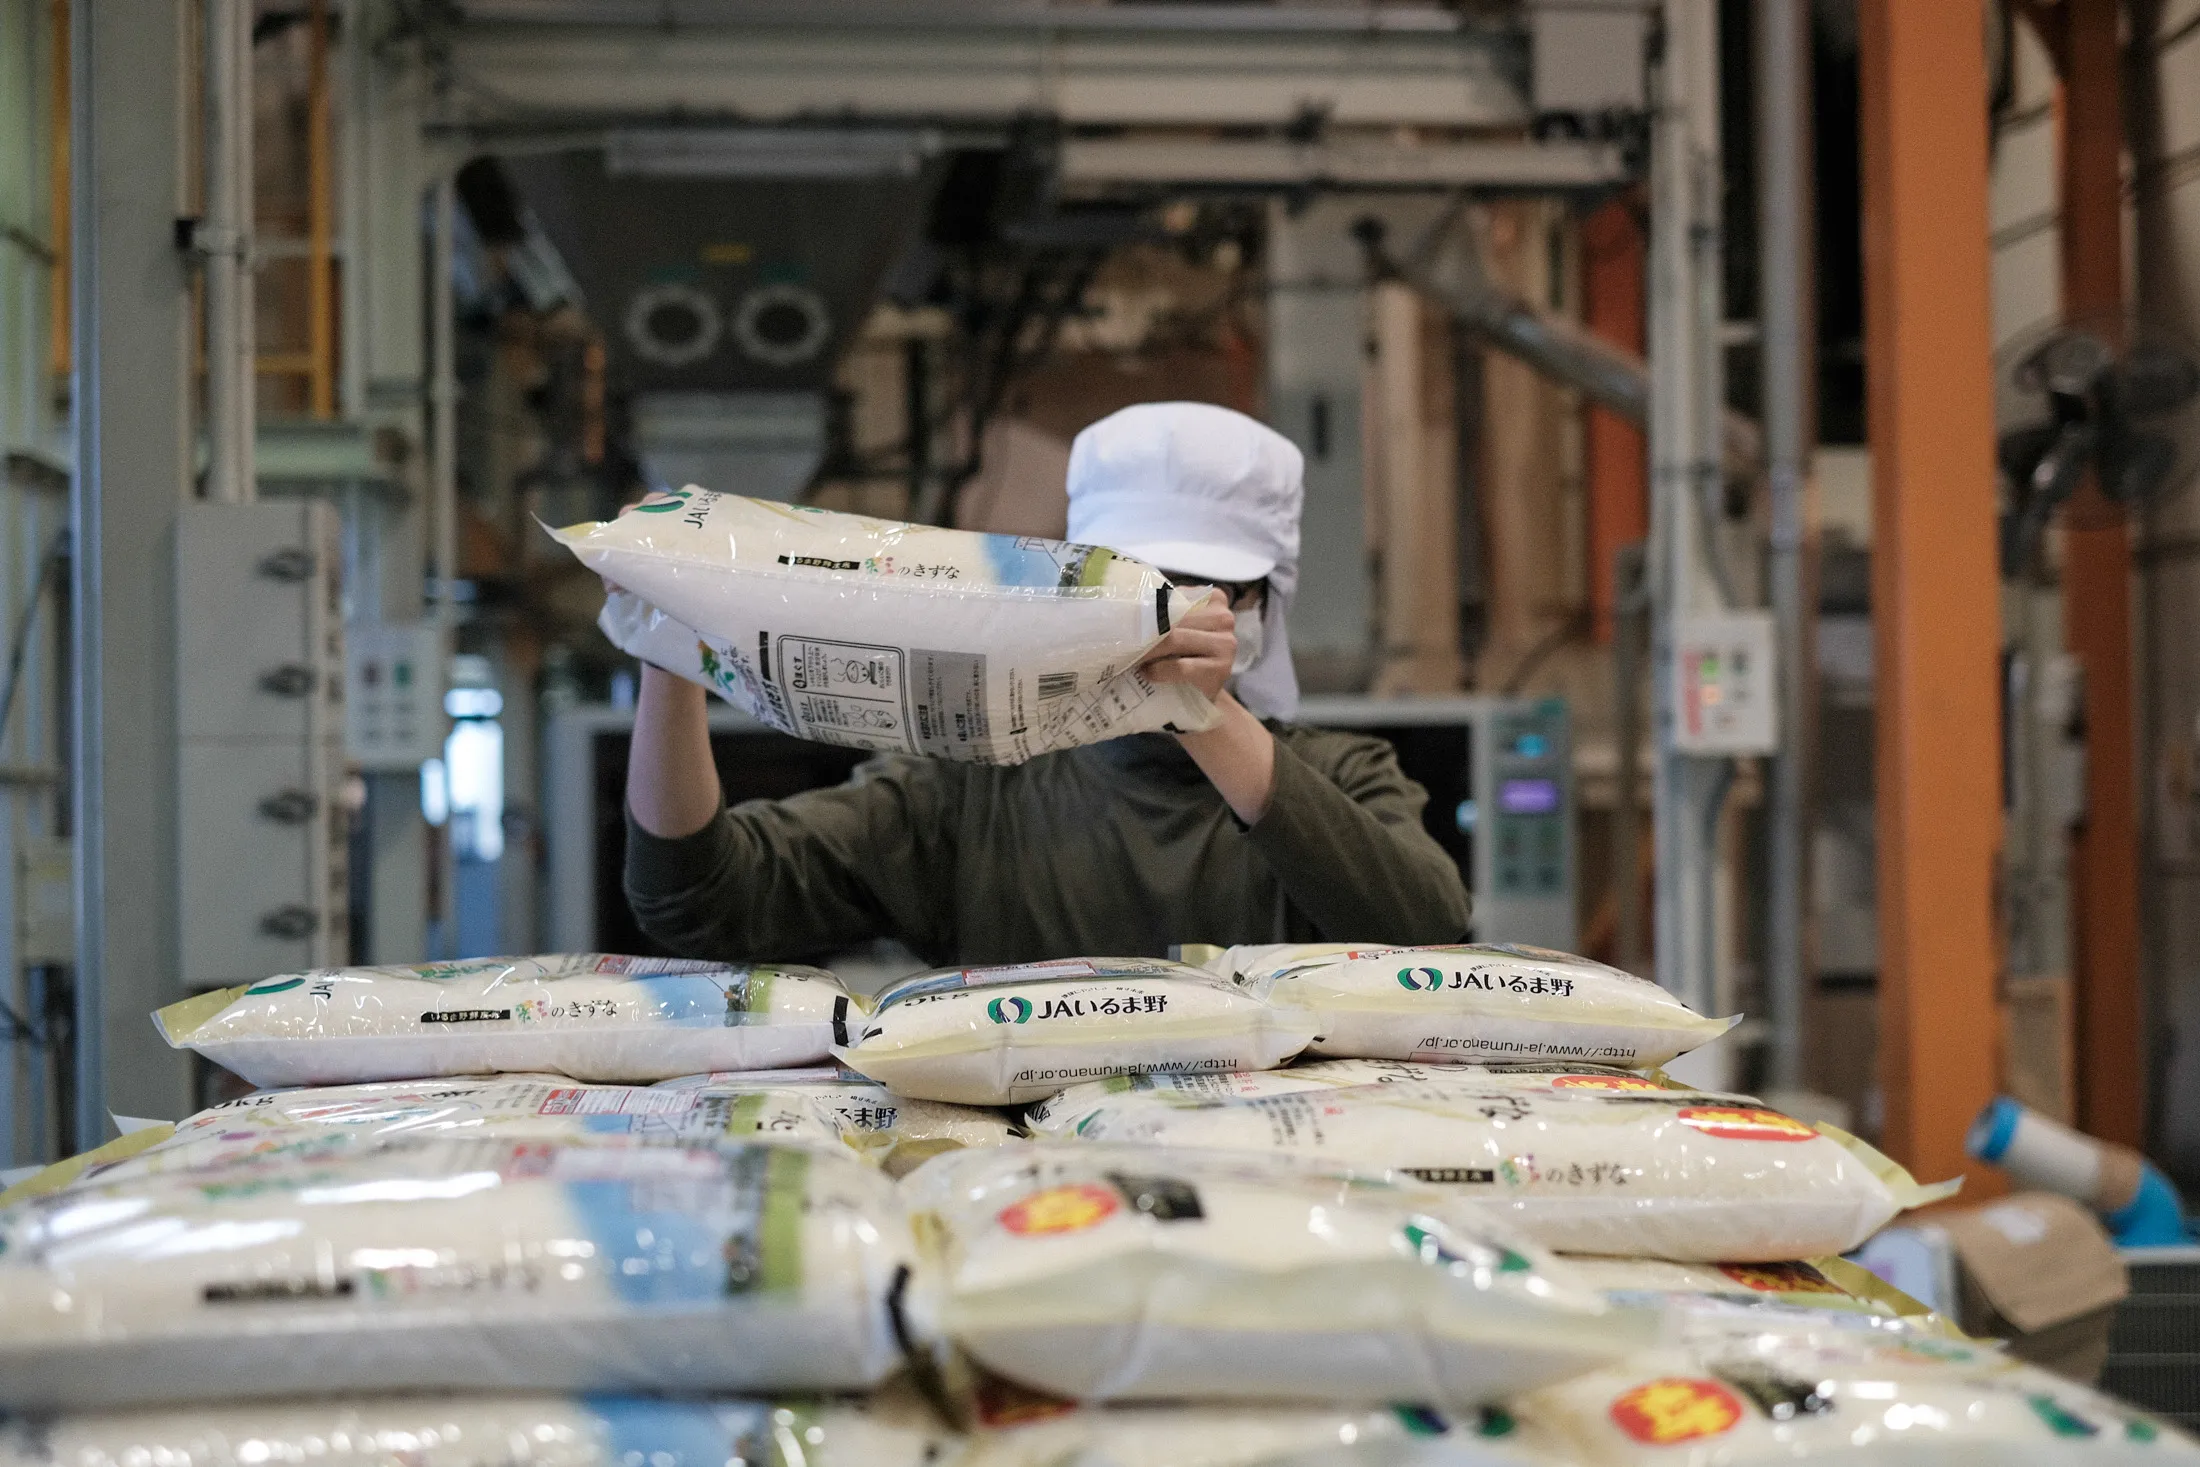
1420, 979
1009, 1010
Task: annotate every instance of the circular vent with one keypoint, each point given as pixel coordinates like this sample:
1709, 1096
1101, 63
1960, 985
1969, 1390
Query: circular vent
673, 325
781, 325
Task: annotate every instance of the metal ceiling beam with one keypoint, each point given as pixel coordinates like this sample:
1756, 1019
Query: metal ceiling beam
970, 14
1372, 163
950, 68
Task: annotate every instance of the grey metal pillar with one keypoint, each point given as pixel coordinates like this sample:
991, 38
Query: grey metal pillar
1787, 328
1317, 348
130, 303
1686, 418
225, 237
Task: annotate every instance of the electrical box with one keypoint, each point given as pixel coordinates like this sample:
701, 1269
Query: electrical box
1725, 688
260, 715
393, 696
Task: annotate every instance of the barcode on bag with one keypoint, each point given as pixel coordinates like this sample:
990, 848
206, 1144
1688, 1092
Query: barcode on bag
1056, 685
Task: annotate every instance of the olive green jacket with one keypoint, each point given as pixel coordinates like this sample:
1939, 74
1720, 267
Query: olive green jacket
1120, 849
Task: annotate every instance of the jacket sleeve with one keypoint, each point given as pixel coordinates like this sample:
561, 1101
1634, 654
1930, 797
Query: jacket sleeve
1345, 839
800, 877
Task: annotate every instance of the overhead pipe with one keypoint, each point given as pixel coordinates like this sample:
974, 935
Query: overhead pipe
1565, 351
1787, 332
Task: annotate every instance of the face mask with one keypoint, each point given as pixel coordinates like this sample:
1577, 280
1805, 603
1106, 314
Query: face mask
1249, 630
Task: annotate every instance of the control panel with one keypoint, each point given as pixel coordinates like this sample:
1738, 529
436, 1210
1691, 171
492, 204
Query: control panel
1724, 687
1526, 807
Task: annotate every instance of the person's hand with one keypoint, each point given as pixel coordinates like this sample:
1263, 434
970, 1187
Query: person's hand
1198, 650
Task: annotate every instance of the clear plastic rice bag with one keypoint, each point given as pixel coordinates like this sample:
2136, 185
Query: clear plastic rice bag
479, 1264
1069, 1110
880, 635
536, 1429
1656, 1173
593, 1016
1765, 1396
1004, 1035
1122, 1273
317, 1123
896, 1130
1472, 1003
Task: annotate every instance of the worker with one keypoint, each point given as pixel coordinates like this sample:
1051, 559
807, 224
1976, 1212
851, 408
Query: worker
1254, 830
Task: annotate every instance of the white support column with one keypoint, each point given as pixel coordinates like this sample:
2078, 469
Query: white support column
1687, 392
131, 308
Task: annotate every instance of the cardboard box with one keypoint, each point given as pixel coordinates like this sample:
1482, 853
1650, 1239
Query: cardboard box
2039, 1271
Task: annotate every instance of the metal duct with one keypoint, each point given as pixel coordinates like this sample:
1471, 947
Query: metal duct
728, 270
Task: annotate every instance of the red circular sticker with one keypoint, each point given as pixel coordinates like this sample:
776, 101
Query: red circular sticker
1659, 1413
1745, 1123
1780, 1278
1605, 1082
1060, 1209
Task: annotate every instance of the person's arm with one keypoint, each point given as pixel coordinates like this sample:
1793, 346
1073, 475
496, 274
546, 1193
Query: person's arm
671, 784
1238, 755
776, 879
1346, 841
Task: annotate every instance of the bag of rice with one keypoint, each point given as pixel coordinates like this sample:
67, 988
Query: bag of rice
1824, 1292
1039, 1433
456, 1265
483, 1431
315, 1124
591, 1016
1845, 1396
1002, 1036
1068, 1112
1470, 1003
869, 1113
878, 635
1119, 1273
1659, 1174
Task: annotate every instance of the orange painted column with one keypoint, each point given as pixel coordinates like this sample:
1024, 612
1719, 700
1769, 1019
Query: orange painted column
1936, 608
2096, 575
1614, 255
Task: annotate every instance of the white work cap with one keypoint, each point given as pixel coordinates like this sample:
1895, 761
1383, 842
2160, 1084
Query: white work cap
1203, 491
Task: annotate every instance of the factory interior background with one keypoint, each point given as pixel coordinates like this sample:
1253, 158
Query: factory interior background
1750, 462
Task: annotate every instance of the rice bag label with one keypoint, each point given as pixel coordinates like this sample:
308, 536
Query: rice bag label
952, 720
1663, 1413
1068, 1209
1739, 1123
846, 693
